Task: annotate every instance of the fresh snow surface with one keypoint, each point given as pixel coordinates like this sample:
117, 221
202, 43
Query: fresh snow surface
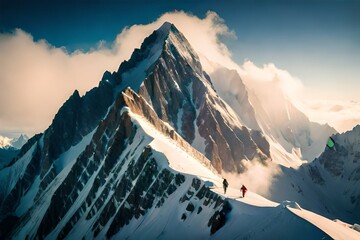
333, 229
254, 216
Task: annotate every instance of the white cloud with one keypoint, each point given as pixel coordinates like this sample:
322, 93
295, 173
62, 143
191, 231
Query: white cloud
255, 76
203, 35
36, 78
342, 115
258, 178
278, 84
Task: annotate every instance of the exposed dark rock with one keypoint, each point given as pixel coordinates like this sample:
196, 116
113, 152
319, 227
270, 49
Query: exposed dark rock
218, 220
7, 225
190, 207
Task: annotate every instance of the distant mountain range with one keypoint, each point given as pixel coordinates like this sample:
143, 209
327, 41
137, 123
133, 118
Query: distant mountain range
16, 143
9, 148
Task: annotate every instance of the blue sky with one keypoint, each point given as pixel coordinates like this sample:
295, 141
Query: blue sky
317, 42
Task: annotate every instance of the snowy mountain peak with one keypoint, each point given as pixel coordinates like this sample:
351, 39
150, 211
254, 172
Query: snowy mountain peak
169, 76
17, 143
20, 141
165, 28
167, 40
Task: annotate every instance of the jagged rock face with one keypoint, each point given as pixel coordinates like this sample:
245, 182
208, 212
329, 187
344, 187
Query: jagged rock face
74, 120
344, 159
339, 167
182, 95
77, 117
115, 180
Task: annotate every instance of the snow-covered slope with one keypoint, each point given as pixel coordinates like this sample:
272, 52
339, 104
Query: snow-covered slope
138, 179
6, 155
120, 176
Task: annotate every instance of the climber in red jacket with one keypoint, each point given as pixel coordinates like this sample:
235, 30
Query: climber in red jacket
243, 189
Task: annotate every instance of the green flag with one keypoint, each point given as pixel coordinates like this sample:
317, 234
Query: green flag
330, 143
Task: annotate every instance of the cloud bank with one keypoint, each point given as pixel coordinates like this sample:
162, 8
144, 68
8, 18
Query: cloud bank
36, 77
342, 115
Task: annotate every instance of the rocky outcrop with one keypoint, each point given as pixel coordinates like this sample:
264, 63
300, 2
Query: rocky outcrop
78, 117
117, 179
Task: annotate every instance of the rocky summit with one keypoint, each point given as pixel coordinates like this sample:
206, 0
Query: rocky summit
93, 170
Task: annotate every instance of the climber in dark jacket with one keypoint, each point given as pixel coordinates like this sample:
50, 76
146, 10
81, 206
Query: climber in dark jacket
225, 185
